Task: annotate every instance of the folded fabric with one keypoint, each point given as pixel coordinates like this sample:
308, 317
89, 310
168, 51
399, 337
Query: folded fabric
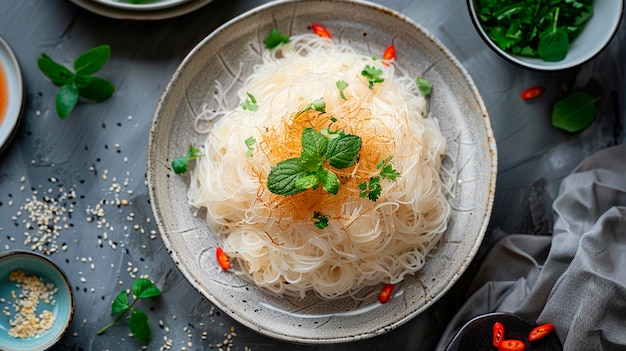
576, 278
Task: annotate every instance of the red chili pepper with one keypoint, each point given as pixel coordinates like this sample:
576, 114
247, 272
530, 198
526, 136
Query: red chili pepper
385, 293
320, 30
222, 259
532, 92
498, 334
540, 331
512, 345
389, 54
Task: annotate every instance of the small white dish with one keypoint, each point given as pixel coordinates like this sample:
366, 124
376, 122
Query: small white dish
146, 15
596, 35
143, 5
11, 93
18, 269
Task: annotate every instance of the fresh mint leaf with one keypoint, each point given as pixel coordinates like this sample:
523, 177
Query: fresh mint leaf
120, 304
250, 103
275, 39
57, 73
320, 220
282, 177
329, 181
342, 85
575, 112
144, 288
82, 83
314, 145
94, 88
66, 100
343, 151
249, 142
423, 86
373, 75
140, 326
307, 181
92, 60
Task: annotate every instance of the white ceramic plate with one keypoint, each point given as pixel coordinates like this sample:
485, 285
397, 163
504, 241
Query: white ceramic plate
147, 5
182, 8
370, 29
14, 92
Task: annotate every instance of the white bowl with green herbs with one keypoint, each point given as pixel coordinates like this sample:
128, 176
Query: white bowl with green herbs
549, 37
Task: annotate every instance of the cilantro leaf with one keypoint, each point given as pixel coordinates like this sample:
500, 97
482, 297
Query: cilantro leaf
342, 85
386, 169
179, 164
250, 103
424, 86
371, 189
373, 75
320, 220
275, 39
249, 142
317, 105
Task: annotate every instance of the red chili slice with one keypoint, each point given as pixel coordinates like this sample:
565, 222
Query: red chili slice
532, 92
222, 259
320, 30
540, 331
389, 54
498, 334
512, 345
385, 293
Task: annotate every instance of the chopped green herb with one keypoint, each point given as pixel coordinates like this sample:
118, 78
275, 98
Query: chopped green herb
575, 112
373, 75
534, 28
138, 322
371, 189
320, 220
295, 175
424, 86
386, 169
342, 85
249, 142
317, 105
275, 39
78, 83
179, 164
250, 103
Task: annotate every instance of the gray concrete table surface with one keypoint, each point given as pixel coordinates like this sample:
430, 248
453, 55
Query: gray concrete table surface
95, 161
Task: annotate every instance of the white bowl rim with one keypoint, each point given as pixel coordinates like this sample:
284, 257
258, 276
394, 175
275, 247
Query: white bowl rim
15, 85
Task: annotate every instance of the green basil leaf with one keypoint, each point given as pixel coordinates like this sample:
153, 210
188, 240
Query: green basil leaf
329, 180
574, 112
314, 145
275, 39
57, 73
553, 45
140, 326
282, 177
144, 288
92, 60
343, 151
66, 100
120, 304
94, 88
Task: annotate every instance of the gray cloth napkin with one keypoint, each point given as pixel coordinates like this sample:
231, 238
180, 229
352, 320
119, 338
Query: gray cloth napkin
576, 278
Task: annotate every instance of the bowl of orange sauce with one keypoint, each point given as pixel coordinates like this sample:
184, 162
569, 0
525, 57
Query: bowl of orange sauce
11, 93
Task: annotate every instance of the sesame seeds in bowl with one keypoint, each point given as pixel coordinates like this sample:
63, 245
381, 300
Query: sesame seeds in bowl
36, 301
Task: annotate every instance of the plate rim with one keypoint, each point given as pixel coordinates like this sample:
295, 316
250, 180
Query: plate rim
141, 7
491, 146
148, 15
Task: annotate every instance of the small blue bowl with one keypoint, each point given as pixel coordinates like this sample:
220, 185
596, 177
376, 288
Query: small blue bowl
61, 305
